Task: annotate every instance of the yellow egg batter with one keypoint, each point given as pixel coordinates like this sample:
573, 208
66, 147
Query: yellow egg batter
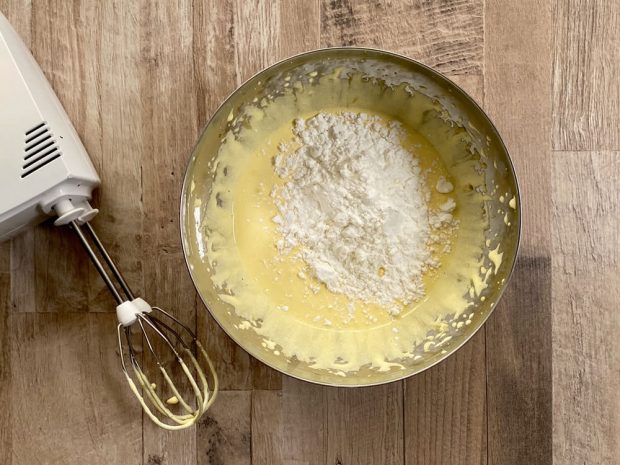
255, 236
269, 295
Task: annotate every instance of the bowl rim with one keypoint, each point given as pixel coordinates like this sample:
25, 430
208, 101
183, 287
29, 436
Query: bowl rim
434, 75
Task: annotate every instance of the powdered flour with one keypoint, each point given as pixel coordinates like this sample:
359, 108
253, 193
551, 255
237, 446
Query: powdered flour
354, 209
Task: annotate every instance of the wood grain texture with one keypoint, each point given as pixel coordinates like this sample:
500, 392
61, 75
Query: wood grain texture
300, 26
518, 99
23, 283
365, 425
586, 95
169, 127
213, 46
223, 435
5, 355
289, 426
256, 36
119, 145
5, 257
445, 410
68, 396
586, 322
518, 58
19, 13
519, 368
447, 35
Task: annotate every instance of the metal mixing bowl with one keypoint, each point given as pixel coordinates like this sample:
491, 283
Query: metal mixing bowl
498, 173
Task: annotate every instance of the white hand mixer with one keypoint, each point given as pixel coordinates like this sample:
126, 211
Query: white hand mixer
45, 171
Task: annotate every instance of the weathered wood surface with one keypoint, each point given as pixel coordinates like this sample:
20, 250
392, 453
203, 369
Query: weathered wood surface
586, 95
518, 71
140, 79
586, 321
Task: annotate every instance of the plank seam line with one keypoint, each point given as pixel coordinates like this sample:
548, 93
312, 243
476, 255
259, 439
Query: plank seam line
403, 394
252, 392
486, 395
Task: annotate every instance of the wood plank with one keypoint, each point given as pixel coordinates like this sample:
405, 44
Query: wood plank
117, 145
224, 435
445, 410
256, 34
517, 97
213, 46
586, 322
517, 83
68, 395
6, 368
169, 130
300, 27
268, 31
289, 427
23, 285
365, 425
5, 257
586, 95
519, 368
447, 35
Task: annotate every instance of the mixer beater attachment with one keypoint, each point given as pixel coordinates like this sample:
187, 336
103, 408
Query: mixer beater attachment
181, 344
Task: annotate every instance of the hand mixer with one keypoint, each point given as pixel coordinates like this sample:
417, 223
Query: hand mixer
45, 171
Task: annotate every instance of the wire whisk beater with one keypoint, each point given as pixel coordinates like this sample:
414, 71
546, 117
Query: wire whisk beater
172, 347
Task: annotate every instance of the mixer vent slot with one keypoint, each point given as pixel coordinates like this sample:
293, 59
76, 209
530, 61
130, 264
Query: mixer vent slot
40, 148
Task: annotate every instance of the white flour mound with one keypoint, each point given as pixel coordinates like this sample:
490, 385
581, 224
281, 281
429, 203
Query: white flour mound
354, 209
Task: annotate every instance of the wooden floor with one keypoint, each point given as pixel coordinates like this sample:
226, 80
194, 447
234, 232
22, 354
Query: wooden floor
140, 79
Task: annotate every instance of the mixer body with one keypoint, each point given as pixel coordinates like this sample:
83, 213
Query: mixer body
42, 158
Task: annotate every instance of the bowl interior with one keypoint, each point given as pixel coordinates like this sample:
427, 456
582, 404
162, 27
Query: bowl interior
453, 115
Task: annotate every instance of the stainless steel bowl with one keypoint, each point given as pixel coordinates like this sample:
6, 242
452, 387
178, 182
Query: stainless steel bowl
467, 115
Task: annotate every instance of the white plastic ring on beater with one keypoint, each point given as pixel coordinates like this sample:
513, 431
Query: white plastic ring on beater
127, 311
